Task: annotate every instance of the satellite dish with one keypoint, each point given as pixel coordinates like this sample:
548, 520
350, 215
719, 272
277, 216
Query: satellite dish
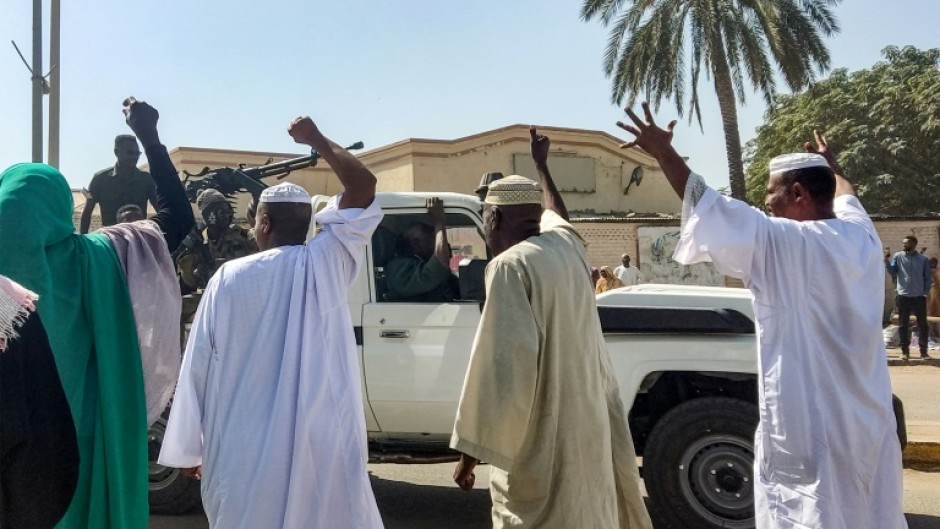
637, 175
635, 178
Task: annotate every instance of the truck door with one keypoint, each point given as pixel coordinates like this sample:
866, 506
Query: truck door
416, 353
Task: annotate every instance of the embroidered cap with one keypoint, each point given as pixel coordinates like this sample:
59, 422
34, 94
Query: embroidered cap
514, 190
286, 192
799, 160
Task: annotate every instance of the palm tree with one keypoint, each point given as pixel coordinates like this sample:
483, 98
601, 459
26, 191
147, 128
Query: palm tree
647, 53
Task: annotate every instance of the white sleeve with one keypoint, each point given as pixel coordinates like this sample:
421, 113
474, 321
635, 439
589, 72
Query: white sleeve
351, 229
182, 441
849, 209
721, 230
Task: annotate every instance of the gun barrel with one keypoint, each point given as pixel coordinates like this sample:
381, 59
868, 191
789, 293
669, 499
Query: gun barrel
229, 181
284, 167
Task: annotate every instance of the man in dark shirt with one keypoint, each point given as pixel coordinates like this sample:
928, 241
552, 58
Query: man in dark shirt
911, 270
120, 185
421, 271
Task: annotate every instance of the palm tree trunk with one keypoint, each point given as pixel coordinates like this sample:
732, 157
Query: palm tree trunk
729, 122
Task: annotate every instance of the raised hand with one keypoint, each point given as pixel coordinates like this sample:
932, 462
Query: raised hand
540, 146
822, 148
142, 119
303, 130
658, 142
648, 136
435, 207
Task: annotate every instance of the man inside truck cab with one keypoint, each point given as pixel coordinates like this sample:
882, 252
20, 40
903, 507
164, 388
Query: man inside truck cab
421, 270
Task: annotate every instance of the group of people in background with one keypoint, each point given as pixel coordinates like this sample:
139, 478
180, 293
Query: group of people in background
624, 275
268, 410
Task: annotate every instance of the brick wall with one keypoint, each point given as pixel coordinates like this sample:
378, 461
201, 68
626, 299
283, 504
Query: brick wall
893, 231
607, 241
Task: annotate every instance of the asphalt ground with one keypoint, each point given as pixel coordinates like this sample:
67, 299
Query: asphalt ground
425, 497
918, 386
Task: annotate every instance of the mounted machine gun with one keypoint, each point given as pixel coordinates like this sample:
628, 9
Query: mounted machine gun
230, 181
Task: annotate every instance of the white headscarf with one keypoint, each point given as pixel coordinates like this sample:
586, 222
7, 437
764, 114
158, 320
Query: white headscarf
15, 305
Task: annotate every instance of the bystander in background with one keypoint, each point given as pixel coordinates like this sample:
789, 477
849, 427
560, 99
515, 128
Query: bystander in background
626, 273
911, 270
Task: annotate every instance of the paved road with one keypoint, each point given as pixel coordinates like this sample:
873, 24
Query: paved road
918, 386
423, 496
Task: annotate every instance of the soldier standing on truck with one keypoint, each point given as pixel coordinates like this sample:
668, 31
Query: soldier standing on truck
827, 452
540, 401
119, 185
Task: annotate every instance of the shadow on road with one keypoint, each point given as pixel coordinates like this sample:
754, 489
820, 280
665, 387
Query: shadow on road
407, 505
922, 521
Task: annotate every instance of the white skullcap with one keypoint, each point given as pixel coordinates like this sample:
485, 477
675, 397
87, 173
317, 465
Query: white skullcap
799, 160
286, 192
513, 190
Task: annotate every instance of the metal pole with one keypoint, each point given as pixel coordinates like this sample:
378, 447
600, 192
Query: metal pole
54, 63
37, 81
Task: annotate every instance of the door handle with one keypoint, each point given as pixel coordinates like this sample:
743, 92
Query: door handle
395, 334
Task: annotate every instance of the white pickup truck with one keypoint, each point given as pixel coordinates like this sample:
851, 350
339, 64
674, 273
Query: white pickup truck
685, 358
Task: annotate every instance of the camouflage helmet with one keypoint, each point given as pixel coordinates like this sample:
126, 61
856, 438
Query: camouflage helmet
208, 197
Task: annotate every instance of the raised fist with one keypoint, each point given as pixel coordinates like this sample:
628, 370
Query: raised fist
303, 130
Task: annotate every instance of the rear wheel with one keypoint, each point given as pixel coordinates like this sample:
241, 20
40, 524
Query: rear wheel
170, 491
699, 465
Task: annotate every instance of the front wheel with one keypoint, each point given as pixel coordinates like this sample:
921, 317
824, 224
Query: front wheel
170, 491
698, 465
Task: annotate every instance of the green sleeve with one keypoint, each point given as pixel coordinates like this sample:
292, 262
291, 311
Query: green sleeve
410, 277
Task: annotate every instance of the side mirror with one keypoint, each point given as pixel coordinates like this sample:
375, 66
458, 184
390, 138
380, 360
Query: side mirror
471, 274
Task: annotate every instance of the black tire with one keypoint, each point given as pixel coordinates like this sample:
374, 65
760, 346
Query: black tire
698, 465
899, 418
170, 491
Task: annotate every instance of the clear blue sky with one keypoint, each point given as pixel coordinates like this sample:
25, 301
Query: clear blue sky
232, 74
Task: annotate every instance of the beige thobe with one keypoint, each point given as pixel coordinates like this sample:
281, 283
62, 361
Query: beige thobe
540, 402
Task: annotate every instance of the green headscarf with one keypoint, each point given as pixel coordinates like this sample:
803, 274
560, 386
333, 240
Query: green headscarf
86, 310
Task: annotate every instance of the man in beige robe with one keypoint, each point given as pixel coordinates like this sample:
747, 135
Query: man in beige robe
540, 402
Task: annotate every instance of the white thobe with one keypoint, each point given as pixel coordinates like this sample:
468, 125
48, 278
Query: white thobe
826, 450
628, 275
540, 401
269, 400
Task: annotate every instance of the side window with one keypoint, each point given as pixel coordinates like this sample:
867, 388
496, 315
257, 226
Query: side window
403, 265
466, 242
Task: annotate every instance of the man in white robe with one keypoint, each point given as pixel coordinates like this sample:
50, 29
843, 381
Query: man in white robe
826, 449
540, 402
269, 401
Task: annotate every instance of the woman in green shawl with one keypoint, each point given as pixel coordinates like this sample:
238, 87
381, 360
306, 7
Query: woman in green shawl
90, 288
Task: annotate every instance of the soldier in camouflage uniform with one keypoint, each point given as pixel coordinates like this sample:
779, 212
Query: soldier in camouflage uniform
198, 259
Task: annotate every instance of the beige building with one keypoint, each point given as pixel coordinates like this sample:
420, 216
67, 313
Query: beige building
589, 167
614, 194
595, 176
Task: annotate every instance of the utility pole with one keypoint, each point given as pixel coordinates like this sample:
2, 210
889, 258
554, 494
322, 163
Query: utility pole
54, 90
38, 81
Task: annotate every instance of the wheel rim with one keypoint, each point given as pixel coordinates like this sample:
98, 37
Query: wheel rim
716, 475
159, 476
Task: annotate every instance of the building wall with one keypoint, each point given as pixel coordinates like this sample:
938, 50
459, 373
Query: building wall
608, 240
459, 166
892, 232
